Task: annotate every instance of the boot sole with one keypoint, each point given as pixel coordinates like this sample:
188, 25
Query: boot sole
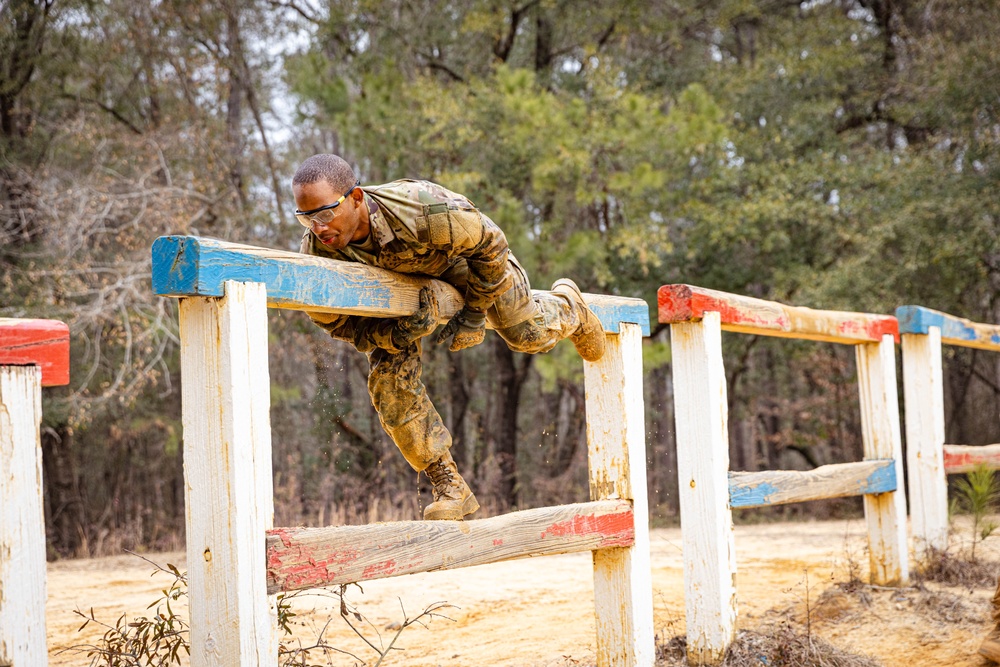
469, 505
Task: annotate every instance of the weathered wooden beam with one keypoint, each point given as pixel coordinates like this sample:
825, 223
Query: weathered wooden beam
954, 330
885, 513
186, 266
923, 393
228, 492
22, 520
43, 343
839, 480
964, 458
616, 452
299, 558
685, 303
702, 416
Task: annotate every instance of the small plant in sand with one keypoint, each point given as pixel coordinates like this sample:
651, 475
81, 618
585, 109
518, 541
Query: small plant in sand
977, 494
161, 639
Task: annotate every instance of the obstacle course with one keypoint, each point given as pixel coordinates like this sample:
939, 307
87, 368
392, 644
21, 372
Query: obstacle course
237, 560
224, 290
709, 492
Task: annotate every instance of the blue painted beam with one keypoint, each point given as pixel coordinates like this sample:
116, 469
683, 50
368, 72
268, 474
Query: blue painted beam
779, 487
186, 266
954, 330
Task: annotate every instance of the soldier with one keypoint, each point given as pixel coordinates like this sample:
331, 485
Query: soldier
420, 227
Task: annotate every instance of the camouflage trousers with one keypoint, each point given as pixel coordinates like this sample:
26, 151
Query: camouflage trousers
399, 396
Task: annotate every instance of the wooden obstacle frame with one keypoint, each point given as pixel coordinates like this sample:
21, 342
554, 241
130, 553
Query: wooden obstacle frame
33, 354
709, 491
929, 460
237, 560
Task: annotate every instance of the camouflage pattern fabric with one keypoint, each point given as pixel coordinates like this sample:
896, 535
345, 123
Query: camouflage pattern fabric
421, 227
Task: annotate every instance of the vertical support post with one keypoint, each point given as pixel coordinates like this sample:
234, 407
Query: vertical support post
884, 512
703, 483
229, 497
22, 519
923, 391
616, 440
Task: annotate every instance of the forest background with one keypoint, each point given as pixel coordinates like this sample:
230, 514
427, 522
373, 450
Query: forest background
839, 154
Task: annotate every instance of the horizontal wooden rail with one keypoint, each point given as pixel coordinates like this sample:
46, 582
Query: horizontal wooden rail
964, 458
839, 480
954, 330
684, 303
299, 558
185, 266
43, 343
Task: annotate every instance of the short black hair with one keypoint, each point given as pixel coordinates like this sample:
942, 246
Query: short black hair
327, 167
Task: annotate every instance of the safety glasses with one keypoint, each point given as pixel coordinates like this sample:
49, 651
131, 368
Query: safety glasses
324, 214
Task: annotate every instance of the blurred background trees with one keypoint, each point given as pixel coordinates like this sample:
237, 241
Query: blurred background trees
838, 154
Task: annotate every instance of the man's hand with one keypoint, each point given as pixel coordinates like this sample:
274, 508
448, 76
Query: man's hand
419, 324
468, 326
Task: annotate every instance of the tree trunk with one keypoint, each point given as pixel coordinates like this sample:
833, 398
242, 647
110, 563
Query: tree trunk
65, 516
511, 379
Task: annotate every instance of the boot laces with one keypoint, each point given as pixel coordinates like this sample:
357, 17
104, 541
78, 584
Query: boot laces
440, 475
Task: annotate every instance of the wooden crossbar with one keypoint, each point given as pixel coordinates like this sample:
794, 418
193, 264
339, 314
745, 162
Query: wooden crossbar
299, 558
43, 343
965, 458
839, 480
187, 266
954, 330
685, 303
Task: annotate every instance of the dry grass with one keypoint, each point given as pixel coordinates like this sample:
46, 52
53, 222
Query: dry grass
780, 646
958, 569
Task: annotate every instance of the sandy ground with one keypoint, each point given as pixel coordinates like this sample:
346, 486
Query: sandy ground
540, 611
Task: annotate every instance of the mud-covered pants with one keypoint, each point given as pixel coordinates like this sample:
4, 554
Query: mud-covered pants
399, 396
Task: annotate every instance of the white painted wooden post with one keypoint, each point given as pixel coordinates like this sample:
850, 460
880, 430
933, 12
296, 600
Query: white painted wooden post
923, 391
616, 439
884, 512
227, 470
703, 479
22, 519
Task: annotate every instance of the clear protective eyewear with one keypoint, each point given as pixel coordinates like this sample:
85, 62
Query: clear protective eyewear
324, 214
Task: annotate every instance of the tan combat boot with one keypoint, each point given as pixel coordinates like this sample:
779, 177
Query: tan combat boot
589, 338
453, 498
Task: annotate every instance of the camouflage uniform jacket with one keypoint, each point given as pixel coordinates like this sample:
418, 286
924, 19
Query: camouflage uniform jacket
421, 227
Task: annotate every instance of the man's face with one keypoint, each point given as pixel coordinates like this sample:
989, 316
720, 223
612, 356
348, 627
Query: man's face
346, 223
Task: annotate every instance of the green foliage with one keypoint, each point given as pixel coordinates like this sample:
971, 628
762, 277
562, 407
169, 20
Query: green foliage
977, 494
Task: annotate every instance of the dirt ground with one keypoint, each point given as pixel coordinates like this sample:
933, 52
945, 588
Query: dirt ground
541, 611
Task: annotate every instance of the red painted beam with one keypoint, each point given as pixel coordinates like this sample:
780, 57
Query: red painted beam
964, 458
42, 343
685, 303
299, 558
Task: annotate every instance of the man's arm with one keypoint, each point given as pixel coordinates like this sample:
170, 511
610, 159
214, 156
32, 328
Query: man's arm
469, 234
393, 334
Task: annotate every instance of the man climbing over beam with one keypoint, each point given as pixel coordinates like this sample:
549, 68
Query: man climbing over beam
423, 228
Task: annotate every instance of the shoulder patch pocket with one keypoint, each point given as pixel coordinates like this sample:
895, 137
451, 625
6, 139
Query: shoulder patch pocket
446, 226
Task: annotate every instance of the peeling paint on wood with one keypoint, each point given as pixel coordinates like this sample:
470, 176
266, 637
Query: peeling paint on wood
954, 330
964, 458
616, 444
685, 303
299, 558
227, 472
885, 513
838, 480
43, 343
186, 266
22, 522
701, 413
923, 392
